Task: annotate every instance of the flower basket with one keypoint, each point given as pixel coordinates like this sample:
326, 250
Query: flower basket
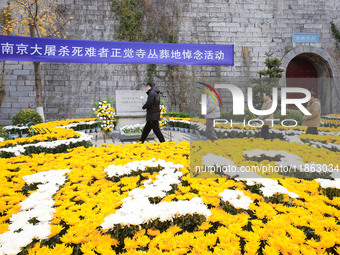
133, 136
106, 114
133, 132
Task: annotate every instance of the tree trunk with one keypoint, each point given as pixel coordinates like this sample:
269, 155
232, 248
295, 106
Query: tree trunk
37, 79
38, 89
2, 83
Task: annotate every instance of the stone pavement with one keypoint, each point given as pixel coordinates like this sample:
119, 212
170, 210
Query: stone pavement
169, 136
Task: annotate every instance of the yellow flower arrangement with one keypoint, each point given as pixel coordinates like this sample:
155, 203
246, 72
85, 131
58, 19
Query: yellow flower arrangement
307, 224
162, 118
58, 134
49, 131
321, 138
49, 137
106, 114
332, 120
278, 224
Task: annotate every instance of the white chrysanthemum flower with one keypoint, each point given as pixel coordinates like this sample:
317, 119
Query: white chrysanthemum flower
326, 183
137, 209
236, 198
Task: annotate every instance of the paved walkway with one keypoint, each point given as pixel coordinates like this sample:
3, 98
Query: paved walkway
169, 136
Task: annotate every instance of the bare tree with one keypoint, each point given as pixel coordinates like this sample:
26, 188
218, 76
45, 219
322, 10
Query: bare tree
35, 18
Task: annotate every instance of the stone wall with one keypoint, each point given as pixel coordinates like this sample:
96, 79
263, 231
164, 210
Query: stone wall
258, 29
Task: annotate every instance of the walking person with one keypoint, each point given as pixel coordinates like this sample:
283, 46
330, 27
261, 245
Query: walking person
313, 121
213, 112
152, 113
267, 119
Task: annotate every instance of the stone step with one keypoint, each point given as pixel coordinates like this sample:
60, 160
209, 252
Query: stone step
169, 136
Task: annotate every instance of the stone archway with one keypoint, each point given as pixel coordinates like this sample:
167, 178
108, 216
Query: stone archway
301, 73
328, 86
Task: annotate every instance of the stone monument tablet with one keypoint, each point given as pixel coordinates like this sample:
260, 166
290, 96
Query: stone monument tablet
129, 107
130, 102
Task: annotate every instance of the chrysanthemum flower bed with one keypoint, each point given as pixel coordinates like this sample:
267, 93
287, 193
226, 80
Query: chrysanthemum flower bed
53, 137
331, 120
142, 199
328, 136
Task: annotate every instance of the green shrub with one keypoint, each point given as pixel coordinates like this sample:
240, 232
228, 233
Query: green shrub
25, 116
178, 114
290, 114
248, 115
3, 133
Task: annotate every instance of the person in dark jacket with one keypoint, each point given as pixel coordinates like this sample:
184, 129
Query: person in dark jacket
152, 113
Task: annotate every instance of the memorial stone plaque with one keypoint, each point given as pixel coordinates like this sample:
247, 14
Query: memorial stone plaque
130, 102
129, 107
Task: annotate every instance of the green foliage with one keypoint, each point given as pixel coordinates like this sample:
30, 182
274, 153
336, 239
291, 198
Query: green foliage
290, 114
273, 68
248, 115
141, 21
25, 116
178, 114
151, 71
269, 78
336, 33
131, 19
3, 133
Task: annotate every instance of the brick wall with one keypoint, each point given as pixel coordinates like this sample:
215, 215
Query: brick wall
258, 29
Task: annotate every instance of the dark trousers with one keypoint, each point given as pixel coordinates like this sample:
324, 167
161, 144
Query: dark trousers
265, 131
312, 131
154, 125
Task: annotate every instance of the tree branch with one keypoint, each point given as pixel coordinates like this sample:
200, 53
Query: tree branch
27, 6
36, 17
58, 29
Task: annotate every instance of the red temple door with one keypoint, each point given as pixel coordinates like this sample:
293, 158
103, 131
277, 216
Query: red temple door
301, 73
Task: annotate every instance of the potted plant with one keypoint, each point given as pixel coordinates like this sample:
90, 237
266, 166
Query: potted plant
176, 125
93, 127
171, 125
87, 128
82, 128
180, 125
97, 126
186, 126
133, 132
